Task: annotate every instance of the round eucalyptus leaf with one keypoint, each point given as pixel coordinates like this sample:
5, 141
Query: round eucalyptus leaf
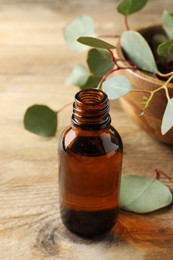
127, 7
167, 20
167, 120
96, 43
78, 76
99, 62
138, 51
157, 39
116, 87
142, 195
41, 120
166, 50
82, 25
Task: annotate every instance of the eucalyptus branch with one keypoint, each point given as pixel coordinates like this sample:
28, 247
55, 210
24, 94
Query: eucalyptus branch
149, 100
164, 86
135, 67
106, 76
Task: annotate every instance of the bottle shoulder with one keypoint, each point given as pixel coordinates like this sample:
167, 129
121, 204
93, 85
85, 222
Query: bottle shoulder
92, 143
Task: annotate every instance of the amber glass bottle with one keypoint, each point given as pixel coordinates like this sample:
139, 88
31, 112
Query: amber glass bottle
90, 160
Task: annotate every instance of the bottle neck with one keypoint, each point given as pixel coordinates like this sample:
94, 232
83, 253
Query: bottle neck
91, 110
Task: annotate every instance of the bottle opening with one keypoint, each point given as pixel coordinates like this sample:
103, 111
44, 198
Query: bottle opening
91, 97
91, 110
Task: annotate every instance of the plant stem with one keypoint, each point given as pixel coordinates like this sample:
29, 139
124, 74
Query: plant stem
108, 36
164, 86
126, 23
166, 93
165, 75
63, 107
158, 172
149, 100
113, 57
106, 76
134, 67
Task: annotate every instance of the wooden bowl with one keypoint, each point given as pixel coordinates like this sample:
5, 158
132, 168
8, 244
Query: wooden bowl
150, 122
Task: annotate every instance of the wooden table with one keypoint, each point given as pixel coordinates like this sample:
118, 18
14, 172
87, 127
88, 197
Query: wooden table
34, 63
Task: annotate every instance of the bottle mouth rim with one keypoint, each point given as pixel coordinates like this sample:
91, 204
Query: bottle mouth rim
91, 97
91, 109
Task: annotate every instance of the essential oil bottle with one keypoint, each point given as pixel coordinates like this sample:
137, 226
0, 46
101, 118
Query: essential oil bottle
90, 162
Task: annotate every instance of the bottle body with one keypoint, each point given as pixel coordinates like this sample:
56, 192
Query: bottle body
89, 178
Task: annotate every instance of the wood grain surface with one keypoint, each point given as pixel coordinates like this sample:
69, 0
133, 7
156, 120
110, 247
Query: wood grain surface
34, 63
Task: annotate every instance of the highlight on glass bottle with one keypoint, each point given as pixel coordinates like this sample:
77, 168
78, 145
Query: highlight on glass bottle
90, 162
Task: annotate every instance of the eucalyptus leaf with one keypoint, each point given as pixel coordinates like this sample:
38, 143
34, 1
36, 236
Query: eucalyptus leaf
167, 120
116, 87
78, 76
92, 82
127, 7
167, 20
166, 50
158, 39
99, 62
96, 43
142, 195
41, 120
138, 51
82, 25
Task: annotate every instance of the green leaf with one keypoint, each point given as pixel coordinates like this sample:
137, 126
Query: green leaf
99, 62
116, 87
82, 25
41, 120
127, 7
92, 82
78, 76
167, 20
158, 39
138, 51
96, 43
167, 120
166, 50
142, 195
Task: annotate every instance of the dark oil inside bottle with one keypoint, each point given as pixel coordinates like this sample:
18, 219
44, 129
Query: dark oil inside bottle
89, 223
89, 175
